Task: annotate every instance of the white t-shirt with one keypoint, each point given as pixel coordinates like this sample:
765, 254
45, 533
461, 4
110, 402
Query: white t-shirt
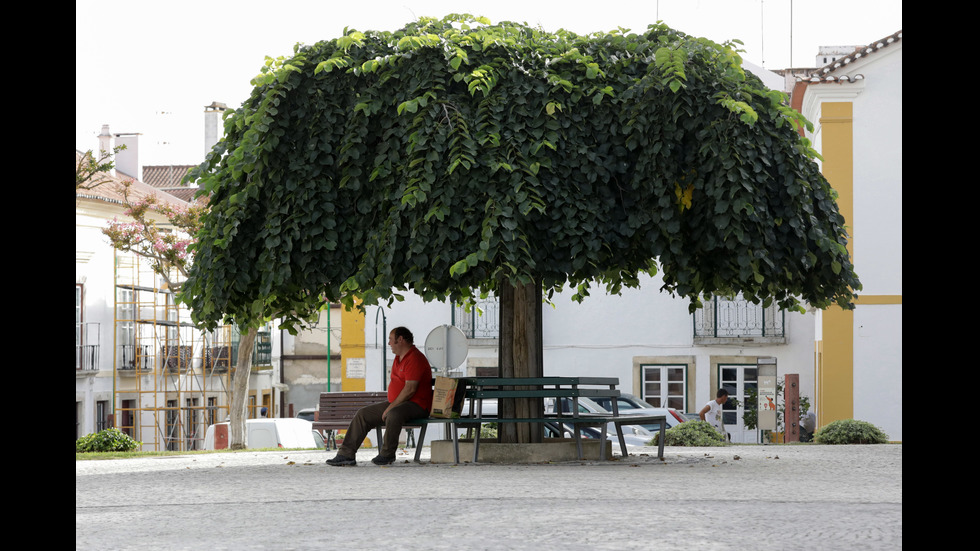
714, 416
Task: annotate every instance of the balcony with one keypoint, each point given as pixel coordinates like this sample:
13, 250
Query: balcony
217, 359
135, 357
481, 322
86, 355
177, 358
738, 321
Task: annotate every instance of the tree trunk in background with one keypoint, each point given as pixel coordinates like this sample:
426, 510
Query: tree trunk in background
520, 355
239, 391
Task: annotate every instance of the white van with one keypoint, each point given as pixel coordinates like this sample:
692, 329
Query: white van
279, 432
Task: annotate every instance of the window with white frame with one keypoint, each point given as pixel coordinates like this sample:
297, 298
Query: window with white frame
126, 327
78, 326
665, 385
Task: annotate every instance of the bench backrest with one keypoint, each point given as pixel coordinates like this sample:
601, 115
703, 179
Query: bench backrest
336, 409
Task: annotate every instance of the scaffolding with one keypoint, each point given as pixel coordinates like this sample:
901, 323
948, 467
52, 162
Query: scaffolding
170, 379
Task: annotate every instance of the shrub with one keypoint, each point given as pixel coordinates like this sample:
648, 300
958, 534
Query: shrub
691, 433
850, 431
108, 440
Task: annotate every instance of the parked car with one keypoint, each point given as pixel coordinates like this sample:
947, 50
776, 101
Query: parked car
279, 432
306, 413
632, 405
589, 405
552, 430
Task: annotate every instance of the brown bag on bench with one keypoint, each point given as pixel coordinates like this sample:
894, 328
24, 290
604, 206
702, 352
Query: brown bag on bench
447, 397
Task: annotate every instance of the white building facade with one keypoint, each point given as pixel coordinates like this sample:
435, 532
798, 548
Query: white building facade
855, 104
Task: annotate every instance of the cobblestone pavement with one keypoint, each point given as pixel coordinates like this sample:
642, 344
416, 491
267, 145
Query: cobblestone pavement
736, 497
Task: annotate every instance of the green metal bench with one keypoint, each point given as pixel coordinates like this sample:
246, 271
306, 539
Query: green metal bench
480, 388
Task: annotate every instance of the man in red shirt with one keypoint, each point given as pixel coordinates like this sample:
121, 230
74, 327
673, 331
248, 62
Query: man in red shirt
409, 397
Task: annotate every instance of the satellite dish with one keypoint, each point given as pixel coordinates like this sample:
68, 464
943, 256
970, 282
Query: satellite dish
446, 347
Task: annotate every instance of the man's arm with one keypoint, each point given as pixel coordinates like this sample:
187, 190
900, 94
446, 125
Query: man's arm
405, 395
703, 411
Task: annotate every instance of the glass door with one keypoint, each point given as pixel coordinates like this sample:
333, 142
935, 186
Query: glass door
738, 379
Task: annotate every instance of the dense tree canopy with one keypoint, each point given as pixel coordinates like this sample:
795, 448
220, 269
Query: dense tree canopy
455, 154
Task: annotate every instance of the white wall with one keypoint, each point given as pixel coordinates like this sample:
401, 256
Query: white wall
878, 367
94, 261
877, 227
877, 234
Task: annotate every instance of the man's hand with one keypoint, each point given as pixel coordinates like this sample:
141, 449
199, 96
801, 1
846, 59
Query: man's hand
404, 396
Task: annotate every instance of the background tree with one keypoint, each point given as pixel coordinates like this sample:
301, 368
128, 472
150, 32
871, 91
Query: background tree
166, 246
456, 157
91, 172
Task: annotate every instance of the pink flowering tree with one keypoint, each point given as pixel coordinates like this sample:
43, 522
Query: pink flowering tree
164, 244
163, 233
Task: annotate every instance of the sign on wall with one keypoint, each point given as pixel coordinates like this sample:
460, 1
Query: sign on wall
356, 368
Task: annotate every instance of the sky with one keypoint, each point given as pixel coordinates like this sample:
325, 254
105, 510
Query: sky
152, 67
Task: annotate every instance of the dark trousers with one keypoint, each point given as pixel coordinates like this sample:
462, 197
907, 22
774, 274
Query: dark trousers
369, 417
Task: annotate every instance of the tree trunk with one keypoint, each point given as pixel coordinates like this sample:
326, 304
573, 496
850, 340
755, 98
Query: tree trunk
520, 355
239, 391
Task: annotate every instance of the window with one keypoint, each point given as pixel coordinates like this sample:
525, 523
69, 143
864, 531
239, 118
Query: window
126, 327
78, 320
127, 418
86, 336
171, 436
191, 426
212, 410
665, 385
101, 415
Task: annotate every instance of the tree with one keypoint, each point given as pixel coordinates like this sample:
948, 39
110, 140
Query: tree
456, 157
167, 248
91, 172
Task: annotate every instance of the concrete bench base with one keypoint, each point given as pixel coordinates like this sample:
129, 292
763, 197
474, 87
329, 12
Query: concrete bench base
554, 449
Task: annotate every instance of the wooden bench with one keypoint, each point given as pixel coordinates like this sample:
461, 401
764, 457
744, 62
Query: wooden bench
336, 410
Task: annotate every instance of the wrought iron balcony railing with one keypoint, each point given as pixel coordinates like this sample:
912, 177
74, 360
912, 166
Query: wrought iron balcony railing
86, 355
738, 319
481, 322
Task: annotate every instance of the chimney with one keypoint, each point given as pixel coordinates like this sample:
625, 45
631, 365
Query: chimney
128, 160
105, 146
213, 124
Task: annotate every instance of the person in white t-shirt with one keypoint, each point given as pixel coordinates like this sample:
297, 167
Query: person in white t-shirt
711, 412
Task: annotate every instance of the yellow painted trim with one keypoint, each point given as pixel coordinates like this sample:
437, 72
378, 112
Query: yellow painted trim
835, 381
351, 346
878, 299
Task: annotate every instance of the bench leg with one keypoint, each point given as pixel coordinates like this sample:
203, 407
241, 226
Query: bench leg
418, 446
622, 441
476, 441
602, 441
578, 440
455, 429
660, 440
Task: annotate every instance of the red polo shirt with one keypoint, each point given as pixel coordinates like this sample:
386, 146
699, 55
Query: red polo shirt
414, 367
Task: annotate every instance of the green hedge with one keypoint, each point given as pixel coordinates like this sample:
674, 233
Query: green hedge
850, 431
690, 433
108, 440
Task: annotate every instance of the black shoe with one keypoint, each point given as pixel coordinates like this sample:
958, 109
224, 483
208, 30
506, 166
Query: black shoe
382, 460
341, 461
